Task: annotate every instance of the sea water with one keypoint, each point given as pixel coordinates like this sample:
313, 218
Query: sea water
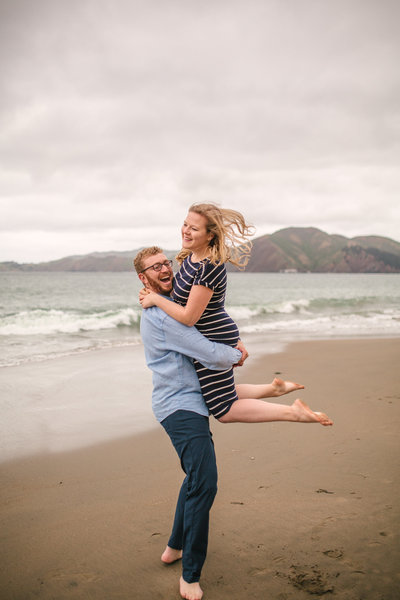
101, 390
45, 315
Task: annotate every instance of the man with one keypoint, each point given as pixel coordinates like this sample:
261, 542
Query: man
179, 406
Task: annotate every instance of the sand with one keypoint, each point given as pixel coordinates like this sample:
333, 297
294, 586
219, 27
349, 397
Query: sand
302, 511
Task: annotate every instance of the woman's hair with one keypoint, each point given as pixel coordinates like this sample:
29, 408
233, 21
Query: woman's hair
230, 232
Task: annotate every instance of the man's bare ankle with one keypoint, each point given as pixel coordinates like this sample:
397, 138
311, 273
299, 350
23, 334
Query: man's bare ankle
190, 591
171, 555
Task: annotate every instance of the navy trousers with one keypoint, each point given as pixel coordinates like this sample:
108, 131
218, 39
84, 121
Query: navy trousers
192, 439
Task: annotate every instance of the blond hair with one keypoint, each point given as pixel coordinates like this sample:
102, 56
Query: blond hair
142, 255
230, 232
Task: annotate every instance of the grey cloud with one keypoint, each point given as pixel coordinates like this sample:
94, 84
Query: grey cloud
125, 112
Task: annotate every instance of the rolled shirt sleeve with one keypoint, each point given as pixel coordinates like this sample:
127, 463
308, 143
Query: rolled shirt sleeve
189, 341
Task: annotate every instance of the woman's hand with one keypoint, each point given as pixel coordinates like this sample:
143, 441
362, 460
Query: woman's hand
244, 352
143, 292
147, 298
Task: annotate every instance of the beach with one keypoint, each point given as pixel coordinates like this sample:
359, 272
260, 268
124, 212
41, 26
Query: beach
301, 511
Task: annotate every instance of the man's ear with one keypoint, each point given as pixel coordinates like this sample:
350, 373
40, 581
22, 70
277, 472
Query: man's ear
143, 279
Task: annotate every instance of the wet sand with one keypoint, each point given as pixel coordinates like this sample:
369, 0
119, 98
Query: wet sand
302, 511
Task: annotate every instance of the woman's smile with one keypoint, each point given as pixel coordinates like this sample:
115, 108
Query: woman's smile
195, 236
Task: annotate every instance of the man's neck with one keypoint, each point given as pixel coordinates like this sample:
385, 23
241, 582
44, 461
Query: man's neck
165, 294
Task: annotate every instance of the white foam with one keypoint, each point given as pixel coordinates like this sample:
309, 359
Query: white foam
376, 323
293, 306
241, 313
36, 322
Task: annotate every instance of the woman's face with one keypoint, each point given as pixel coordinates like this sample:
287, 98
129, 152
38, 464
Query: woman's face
194, 233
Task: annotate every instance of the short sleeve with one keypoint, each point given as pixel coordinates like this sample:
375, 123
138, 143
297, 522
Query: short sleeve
210, 275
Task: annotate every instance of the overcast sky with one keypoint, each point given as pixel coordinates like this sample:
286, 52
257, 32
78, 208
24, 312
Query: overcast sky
117, 115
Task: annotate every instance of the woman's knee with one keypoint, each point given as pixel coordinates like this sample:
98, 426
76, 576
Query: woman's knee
227, 417
224, 418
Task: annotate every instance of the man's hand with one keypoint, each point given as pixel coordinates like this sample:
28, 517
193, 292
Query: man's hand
244, 352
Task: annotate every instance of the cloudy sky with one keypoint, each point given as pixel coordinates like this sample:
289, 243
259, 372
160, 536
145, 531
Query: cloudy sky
116, 115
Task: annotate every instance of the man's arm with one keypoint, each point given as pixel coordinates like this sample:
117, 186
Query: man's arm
189, 341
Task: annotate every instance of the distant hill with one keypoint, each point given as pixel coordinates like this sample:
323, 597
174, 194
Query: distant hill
309, 249
96, 261
299, 249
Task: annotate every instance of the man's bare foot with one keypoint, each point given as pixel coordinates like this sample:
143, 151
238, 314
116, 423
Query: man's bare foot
170, 555
190, 591
304, 414
285, 387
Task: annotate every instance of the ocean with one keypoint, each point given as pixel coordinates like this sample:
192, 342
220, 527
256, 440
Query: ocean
100, 388
47, 315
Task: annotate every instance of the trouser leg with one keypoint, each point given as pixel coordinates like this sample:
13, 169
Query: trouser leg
176, 539
192, 439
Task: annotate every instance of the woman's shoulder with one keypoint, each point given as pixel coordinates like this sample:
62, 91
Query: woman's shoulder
190, 266
203, 268
210, 274
197, 266
217, 267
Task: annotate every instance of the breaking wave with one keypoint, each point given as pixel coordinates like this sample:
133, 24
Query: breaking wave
45, 315
52, 321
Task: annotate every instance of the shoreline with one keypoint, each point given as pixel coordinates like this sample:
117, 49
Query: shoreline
254, 338
301, 509
72, 402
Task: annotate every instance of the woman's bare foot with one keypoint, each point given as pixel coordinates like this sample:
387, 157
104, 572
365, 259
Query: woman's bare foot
285, 387
170, 555
190, 591
304, 414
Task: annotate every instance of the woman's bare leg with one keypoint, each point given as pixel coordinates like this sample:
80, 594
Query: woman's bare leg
251, 410
267, 390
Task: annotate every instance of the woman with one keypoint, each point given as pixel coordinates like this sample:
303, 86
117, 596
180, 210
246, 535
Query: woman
212, 236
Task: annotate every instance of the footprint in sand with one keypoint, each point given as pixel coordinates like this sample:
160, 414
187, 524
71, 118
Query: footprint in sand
278, 559
333, 553
310, 579
317, 529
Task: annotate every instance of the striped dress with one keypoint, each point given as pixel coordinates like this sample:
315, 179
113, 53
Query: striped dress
218, 387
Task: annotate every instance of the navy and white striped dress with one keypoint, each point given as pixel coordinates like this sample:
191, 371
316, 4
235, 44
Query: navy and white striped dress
218, 387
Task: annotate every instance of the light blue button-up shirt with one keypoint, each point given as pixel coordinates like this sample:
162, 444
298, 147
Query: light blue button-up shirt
169, 348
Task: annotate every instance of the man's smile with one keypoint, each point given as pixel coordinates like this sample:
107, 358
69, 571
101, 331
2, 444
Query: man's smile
166, 278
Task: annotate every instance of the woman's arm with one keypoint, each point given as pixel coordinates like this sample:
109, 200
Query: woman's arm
198, 299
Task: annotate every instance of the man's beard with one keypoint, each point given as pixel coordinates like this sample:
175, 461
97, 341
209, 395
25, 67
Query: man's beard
157, 288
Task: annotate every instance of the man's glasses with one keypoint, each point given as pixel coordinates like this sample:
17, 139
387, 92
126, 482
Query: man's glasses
159, 266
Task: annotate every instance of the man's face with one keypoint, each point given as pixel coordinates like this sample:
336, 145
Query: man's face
157, 281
